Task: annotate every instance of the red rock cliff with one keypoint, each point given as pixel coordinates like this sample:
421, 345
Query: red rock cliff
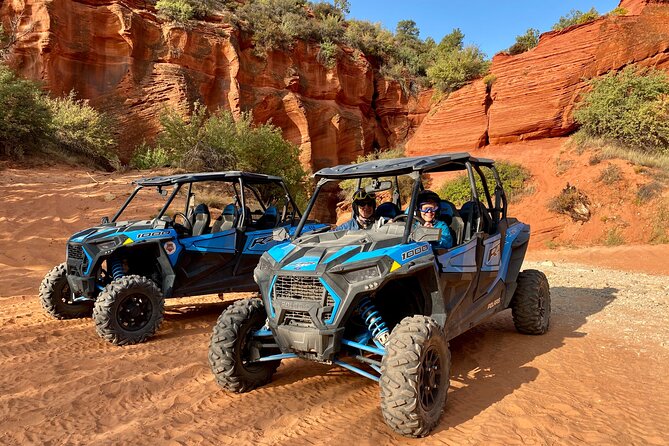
533, 94
130, 63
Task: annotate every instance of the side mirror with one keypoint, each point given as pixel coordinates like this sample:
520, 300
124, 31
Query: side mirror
104, 220
280, 234
423, 234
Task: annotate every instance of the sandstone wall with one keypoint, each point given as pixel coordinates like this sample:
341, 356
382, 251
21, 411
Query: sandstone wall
534, 93
132, 64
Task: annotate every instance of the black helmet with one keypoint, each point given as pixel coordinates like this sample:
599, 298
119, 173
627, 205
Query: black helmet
427, 196
361, 197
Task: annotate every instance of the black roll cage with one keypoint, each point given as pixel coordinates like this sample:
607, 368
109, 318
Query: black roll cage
469, 164
239, 182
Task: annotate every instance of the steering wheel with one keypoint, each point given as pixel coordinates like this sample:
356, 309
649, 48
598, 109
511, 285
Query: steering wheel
399, 217
186, 222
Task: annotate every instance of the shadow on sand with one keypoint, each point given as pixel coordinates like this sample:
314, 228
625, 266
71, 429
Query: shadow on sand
490, 361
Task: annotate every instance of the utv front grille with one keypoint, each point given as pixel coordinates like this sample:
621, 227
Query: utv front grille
75, 252
299, 287
303, 288
298, 318
77, 261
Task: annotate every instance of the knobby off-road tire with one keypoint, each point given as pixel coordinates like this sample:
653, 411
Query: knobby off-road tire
229, 350
531, 304
57, 299
129, 310
415, 376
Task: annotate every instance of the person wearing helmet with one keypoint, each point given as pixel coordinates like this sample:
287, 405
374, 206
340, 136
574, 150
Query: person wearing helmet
428, 210
364, 205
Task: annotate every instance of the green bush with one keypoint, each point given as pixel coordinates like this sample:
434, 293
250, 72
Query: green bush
618, 11
575, 17
211, 142
370, 38
630, 108
525, 42
327, 54
24, 116
514, 178
77, 128
455, 65
180, 11
146, 157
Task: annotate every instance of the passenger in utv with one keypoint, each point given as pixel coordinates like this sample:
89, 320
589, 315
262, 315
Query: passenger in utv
364, 204
428, 208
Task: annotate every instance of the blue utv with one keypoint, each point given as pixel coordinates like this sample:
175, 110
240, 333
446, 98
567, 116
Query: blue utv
121, 271
384, 302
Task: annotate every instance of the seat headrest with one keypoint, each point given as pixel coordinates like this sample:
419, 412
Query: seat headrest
229, 209
387, 210
201, 209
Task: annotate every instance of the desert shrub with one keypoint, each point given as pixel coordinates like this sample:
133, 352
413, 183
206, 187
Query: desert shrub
327, 54
275, 24
179, 11
79, 129
613, 238
572, 202
218, 141
24, 116
618, 11
525, 42
455, 65
660, 233
610, 174
370, 38
515, 179
576, 17
146, 157
348, 187
648, 191
630, 108
489, 80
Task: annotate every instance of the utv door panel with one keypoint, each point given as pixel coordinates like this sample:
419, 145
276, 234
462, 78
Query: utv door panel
208, 262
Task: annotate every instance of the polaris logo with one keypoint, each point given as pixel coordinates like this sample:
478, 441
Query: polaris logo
494, 303
296, 305
414, 252
153, 234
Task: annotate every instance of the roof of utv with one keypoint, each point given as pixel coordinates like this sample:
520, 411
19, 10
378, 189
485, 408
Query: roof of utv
401, 166
207, 176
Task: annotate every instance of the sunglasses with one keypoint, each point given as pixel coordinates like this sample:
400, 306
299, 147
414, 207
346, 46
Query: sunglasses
429, 210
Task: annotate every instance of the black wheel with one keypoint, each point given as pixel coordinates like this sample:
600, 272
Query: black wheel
531, 304
129, 310
232, 348
415, 376
57, 299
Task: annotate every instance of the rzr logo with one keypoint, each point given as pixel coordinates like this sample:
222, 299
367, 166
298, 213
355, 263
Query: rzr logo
414, 252
261, 241
494, 252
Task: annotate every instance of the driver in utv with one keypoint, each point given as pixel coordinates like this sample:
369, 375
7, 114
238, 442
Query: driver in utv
428, 210
364, 205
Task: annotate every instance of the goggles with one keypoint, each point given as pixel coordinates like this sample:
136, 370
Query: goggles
362, 198
429, 210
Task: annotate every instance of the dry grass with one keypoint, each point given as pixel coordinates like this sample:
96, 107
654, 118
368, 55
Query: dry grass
610, 174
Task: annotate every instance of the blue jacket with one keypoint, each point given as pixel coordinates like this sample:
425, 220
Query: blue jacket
446, 240
351, 225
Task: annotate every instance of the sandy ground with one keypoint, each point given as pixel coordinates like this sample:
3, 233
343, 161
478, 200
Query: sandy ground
597, 377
